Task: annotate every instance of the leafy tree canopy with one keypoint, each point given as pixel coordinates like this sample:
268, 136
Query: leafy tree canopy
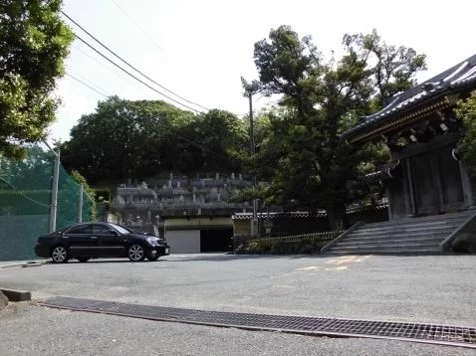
33, 45
139, 139
310, 166
466, 111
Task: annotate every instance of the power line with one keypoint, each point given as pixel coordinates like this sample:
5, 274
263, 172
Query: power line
136, 25
90, 86
108, 68
132, 75
134, 68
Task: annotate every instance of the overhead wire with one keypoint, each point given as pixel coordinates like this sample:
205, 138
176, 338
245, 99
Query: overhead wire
136, 25
137, 79
132, 75
133, 67
108, 68
91, 86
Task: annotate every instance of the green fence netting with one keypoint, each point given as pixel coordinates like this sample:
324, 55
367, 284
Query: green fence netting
25, 202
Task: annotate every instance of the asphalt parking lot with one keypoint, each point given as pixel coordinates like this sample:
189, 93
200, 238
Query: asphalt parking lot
423, 289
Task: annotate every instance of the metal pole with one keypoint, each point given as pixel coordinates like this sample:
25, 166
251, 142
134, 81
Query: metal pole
54, 193
252, 129
80, 205
254, 221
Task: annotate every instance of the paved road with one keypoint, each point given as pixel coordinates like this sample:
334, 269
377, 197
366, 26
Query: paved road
438, 289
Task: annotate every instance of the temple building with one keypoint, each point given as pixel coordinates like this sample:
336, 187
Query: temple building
429, 188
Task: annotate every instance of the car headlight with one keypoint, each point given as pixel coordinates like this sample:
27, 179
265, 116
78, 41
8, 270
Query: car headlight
154, 241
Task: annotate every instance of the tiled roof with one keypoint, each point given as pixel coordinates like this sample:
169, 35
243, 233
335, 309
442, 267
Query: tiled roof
274, 215
353, 208
461, 76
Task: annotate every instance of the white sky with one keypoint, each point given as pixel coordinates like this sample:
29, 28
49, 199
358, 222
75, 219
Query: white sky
202, 47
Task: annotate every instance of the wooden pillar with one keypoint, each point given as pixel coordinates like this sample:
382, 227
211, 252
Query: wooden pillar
389, 210
468, 192
409, 189
435, 172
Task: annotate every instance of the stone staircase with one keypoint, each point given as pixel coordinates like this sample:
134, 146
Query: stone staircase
406, 236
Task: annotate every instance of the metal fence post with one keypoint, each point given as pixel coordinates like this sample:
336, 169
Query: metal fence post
80, 207
54, 192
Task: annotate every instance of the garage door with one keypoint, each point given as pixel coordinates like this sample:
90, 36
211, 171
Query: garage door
183, 241
216, 240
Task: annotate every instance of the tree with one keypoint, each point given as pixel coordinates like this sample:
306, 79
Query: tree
311, 166
33, 45
123, 139
141, 139
394, 67
466, 112
90, 192
222, 140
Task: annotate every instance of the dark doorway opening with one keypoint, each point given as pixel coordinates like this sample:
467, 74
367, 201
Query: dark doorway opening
216, 240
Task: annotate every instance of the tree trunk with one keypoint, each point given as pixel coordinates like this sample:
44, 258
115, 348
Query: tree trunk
336, 216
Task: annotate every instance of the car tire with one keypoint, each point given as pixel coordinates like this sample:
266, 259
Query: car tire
136, 253
59, 254
83, 259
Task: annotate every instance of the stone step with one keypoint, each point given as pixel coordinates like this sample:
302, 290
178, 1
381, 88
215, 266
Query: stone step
408, 231
391, 251
414, 224
406, 236
453, 216
384, 242
391, 239
390, 245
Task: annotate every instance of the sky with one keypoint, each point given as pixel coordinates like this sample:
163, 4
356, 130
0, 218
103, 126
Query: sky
199, 49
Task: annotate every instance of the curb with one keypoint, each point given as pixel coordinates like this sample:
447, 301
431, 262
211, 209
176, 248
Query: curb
16, 295
23, 264
3, 301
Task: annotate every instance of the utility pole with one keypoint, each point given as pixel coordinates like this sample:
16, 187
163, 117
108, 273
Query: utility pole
54, 192
251, 89
80, 203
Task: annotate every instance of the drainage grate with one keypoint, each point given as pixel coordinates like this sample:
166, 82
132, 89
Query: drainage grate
427, 333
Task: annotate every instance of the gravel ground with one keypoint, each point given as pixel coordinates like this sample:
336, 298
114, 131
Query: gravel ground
40, 331
433, 289
423, 289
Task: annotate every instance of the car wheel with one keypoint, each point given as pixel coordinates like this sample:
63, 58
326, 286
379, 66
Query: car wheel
83, 259
59, 254
136, 253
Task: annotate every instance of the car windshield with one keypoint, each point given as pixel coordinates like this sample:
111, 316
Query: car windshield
121, 229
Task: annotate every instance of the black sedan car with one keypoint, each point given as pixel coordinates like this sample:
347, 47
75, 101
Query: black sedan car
91, 240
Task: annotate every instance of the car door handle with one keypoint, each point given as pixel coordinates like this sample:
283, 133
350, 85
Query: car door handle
93, 237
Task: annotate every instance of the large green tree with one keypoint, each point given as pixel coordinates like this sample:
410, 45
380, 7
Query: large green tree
140, 139
33, 45
308, 163
122, 139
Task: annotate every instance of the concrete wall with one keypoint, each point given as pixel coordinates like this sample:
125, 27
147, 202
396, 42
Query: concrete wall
183, 241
